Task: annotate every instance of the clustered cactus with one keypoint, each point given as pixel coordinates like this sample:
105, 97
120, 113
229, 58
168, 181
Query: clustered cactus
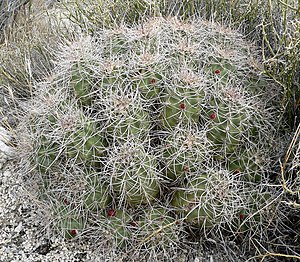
145, 131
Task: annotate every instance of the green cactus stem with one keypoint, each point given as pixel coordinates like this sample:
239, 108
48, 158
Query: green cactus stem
246, 165
193, 206
157, 227
82, 84
183, 152
68, 223
222, 69
181, 106
46, 155
134, 175
85, 144
116, 226
226, 125
148, 82
97, 196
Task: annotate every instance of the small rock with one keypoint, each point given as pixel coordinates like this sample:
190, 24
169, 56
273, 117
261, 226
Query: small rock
19, 228
4, 140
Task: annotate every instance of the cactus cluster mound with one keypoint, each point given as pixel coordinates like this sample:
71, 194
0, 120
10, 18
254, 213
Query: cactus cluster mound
144, 134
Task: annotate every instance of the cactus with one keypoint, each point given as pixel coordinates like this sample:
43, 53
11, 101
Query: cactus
221, 68
181, 105
253, 213
206, 199
81, 84
169, 112
148, 82
46, 155
157, 226
123, 111
226, 124
68, 223
97, 195
183, 152
71, 227
116, 226
134, 175
85, 144
246, 164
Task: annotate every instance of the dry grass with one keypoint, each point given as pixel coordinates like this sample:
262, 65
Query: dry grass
32, 30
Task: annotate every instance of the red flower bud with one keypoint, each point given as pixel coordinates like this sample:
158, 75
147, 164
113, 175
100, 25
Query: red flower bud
73, 232
213, 116
242, 216
182, 106
185, 169
218, 71
153, 81
237, 171
111, 213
